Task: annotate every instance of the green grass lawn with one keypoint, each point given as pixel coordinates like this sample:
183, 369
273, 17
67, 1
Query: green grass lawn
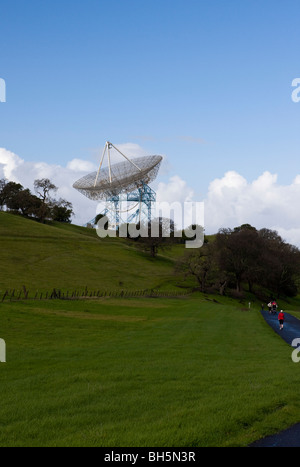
197, 371
142, 372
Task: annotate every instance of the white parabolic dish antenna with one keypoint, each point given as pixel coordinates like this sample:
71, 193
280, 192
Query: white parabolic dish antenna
122, 177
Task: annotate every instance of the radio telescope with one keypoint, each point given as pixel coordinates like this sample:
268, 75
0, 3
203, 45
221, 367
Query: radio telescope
124, 186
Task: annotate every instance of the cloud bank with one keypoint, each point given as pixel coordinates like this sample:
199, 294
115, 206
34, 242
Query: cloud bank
230, 201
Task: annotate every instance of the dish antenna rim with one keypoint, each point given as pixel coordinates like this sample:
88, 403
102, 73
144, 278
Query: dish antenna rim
121, 177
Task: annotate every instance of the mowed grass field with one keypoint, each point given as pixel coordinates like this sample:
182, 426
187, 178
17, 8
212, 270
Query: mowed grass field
142, 372
193, 371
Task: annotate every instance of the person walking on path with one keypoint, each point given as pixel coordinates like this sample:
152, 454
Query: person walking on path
281, 319
274, 307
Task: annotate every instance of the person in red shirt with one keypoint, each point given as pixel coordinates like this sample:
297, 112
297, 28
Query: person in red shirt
281, 319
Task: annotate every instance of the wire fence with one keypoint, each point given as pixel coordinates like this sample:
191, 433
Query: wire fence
77, 294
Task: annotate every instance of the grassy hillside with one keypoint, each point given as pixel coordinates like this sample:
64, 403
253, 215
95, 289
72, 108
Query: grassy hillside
44, 257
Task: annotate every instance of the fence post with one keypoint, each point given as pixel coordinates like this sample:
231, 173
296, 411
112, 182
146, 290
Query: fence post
4, 295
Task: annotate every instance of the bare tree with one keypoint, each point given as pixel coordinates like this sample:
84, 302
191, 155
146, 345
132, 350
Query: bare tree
43, 187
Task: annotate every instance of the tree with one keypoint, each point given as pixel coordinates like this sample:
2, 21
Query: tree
27, 203
244, 254
258, 257
197, 263
281, 264
20, 200
3, 182
43, 187
61, 211
157, 234
10, 193
239, 253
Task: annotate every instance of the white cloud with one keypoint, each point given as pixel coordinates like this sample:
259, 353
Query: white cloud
131, 150
78, 165
8, 163
175, 190
232, 201
179, 202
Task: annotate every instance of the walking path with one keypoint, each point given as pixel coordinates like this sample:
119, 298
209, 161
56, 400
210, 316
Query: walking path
291, 327
290, 331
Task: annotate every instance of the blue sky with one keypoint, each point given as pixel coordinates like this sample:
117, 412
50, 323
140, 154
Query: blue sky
205, 83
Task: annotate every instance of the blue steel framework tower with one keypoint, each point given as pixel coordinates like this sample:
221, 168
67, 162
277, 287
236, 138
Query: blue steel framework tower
125, 183
138, 207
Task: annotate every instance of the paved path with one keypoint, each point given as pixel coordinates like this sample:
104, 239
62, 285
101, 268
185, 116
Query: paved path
291, 331
291, 327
